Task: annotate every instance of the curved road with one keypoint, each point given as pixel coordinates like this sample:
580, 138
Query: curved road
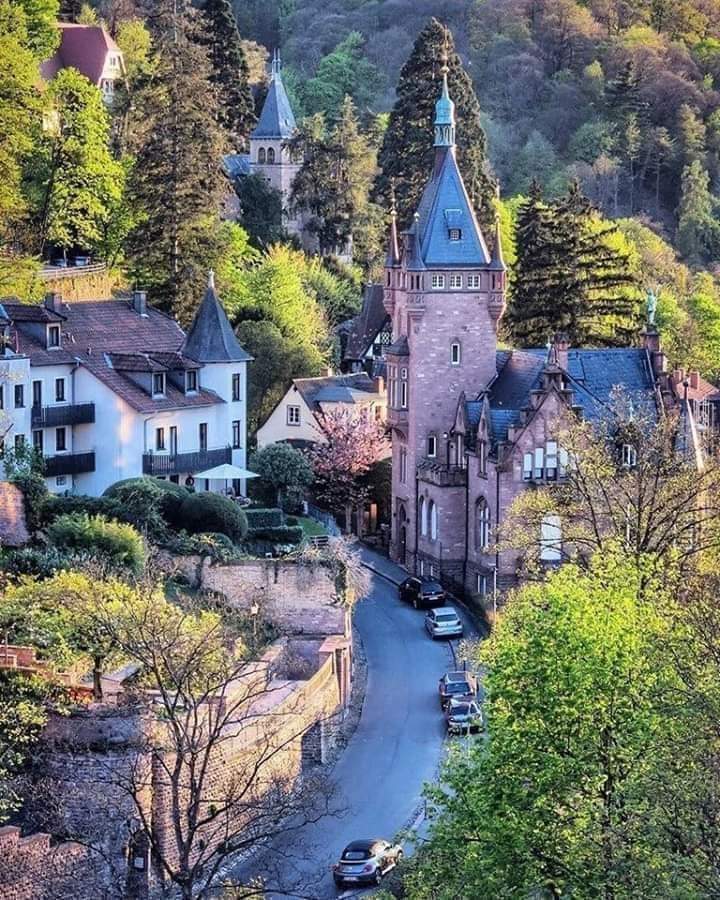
395, 749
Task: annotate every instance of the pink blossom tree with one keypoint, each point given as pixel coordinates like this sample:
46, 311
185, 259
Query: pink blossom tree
352, 445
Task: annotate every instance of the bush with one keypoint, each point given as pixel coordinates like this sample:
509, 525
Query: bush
118, 542
264, 518
291, 520
213, 512
41, 563
56, 506
35, 494
281, 534
161, 500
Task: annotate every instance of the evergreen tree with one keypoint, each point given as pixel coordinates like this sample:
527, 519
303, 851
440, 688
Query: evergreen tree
697, 229
335, 178
177, 183
407, 151
573, 275
76, 181
230, 73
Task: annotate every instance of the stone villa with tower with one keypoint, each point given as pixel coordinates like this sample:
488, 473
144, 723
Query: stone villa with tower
473, 426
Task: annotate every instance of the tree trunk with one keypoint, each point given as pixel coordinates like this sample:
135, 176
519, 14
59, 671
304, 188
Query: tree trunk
348, 518
97, 678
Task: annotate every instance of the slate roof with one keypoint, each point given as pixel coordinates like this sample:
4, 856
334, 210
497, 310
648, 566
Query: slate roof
334, 389
444, 205
82, 47
211, 338
593, 374
236, 164
276, 119
399, 347
364, 328
31, 312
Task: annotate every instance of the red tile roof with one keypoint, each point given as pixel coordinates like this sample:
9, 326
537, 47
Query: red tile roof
82, 47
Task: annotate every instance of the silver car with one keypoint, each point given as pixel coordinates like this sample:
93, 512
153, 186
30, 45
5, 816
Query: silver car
462, 716
443, 623
365, 862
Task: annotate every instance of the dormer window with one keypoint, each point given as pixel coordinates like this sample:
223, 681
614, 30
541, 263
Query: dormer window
455, 234
456, 282
191, 381
158, 384
53, 337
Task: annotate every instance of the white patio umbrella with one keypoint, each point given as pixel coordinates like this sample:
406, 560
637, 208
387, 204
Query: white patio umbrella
226, 472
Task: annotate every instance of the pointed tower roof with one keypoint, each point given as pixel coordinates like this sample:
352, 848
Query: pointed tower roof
393, 255
497, 263
276, 119
447, 231
211, 338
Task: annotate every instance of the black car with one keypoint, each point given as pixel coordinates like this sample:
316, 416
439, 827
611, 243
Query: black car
365, 862
421, 593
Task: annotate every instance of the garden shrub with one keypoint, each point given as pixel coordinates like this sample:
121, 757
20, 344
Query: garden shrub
291, 520
118, 542
213, 512
56, 506
165, 498
280, 534
40, 562
264, 518
35, 494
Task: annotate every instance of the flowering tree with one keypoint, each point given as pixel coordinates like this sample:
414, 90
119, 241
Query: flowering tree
352, 445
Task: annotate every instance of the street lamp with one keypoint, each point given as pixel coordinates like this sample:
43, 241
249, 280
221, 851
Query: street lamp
254, 610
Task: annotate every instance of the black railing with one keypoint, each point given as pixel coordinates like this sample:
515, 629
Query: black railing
180, 463
69, 464
69, 414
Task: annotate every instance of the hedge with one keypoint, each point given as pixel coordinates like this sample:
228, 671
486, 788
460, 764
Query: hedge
56, 506
118, 542
282, 534
264, 518
171, 496
213, 512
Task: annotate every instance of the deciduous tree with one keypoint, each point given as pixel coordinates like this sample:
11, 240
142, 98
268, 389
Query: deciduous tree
284, 468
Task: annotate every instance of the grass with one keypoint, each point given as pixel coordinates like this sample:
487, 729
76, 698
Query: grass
310, 527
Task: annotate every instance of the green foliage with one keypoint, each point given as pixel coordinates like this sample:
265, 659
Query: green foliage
43, 34
76, 181
265, 518
23, 467
345, 72
147, 502
133, 38
278, 534
42, 563
574, 274
407, 152
566, 795
261, 210
212, 512
283, 467
117, 543
697, 231
335, 177
177, 144
235, 107
57, 505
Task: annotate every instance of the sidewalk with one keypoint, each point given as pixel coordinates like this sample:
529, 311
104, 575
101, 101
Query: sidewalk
381, 565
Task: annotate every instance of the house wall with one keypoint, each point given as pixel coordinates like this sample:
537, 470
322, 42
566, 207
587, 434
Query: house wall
276, 429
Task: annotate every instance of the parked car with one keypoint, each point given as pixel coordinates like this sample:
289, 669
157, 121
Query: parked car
457, 686
443, 623
421, 593
365, 862
462, 716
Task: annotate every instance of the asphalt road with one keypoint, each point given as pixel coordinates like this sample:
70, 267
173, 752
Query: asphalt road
395, 749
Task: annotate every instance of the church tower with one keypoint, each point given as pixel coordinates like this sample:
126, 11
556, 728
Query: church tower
445, 294
269, 155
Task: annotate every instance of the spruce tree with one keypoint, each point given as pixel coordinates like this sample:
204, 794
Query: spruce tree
407, 151
572, 275
177, 185
230, 72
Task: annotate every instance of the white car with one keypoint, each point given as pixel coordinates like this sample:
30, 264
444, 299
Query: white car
443, 623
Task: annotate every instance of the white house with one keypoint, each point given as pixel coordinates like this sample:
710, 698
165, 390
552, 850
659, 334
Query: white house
296, 417
112, 389
90, 50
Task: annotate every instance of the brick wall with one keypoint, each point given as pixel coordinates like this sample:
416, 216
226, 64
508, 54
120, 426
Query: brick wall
13, 531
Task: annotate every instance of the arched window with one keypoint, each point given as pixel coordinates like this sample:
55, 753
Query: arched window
432, 509
422, 513
271, 155
482, 525
261, 155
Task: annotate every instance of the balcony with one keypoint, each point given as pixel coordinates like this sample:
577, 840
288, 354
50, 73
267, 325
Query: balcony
397, 417
69, 464
160, 463
443, 476
67, 414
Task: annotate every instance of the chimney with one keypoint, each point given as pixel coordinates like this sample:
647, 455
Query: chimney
139, 301
651, 340
694, 379
561, 345
53, 301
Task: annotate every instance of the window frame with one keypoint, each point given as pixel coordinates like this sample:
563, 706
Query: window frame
191, 375
160, 445
629, 456
290, 416
236, 435
60, 396
454, 234
158, 377
202, 435
432, 442
455, 353
437, 281
456, 282
473, 281
19, 396
482, 525
54, 337
433, 516
236, 387
61, 446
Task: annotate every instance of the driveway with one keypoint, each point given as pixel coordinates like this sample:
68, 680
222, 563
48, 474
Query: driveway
396, 747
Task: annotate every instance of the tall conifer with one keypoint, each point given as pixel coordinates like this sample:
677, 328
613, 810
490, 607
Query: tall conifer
177, 184
407, 152
571, 276
230, 75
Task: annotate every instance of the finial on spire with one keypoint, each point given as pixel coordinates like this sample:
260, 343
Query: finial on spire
393, 255
211, 279
276, 62
445, 108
